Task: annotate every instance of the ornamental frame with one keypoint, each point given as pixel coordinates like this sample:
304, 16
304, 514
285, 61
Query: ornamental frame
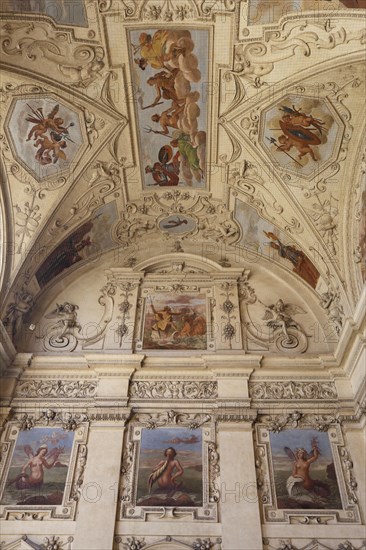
76, 467
131, 460
343, 465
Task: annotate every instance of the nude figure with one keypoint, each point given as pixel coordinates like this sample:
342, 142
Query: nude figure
166, 472
36, 464
301, 472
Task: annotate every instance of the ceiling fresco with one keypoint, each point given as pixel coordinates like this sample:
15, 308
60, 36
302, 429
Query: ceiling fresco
301, 134
45, 134
230, 132
168, 84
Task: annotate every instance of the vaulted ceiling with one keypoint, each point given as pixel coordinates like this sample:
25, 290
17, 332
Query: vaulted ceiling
207, 135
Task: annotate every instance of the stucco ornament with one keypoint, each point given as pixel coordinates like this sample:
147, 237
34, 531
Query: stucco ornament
288, 333
134, 544
66, 333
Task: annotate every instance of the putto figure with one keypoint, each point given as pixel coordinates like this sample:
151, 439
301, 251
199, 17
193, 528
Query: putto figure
50, 135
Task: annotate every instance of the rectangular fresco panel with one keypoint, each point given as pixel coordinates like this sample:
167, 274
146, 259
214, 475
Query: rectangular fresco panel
175, 321
38, 469
169, 82
170, 468
304, 470
88, 241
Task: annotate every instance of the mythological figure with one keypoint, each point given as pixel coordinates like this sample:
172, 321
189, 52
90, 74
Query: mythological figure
166, 472
49, 135
36, 464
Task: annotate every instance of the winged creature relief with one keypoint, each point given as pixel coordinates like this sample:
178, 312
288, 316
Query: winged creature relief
279, 316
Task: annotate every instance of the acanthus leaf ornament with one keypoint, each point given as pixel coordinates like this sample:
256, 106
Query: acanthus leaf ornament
166, 389
56, 388
292, 390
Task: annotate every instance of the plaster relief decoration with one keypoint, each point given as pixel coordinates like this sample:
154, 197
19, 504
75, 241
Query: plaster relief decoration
175, 214
87, 242
45, 134
65, 12
172, 389
261, 237
287, 333
169, 470
65, 332
176, 321
171, 104
177, 224
39, 469
301, 135
302, 473
261, 12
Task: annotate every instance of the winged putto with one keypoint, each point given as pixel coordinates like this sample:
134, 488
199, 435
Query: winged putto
49, 134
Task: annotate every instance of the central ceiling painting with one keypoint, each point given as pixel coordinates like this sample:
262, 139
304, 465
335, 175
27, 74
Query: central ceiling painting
171, 104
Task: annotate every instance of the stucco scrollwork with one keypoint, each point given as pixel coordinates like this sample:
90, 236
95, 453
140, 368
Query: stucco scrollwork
211, 219
256, 59
103, 177
162, 389
79, 63
56, 388
292, 390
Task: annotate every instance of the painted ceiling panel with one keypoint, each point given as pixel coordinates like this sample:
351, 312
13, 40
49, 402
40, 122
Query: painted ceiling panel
220, 130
